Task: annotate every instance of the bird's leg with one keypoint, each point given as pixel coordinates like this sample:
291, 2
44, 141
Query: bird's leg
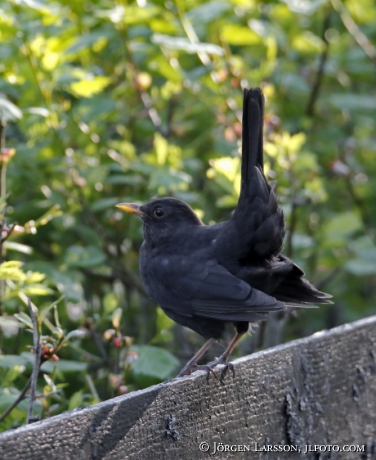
192, 365
223, 359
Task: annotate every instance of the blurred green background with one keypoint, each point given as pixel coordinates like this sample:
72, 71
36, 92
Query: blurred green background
104, 102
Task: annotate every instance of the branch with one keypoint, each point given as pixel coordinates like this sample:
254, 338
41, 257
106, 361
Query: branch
97, 342
354, 30
8, 232
321, 284
291, 228
364, 214
191, 33
152, 111
324, 56
17, 401
34, 375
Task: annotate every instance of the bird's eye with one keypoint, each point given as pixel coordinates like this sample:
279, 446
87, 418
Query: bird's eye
159, 212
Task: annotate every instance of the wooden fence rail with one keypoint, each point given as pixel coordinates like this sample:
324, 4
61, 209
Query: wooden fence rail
313, 398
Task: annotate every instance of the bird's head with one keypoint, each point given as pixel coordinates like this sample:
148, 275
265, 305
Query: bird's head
162, 217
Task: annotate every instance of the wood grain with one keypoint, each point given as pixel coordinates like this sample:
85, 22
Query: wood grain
315, 391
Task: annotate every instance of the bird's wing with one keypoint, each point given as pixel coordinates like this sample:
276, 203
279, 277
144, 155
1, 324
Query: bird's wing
213, 292
257, 226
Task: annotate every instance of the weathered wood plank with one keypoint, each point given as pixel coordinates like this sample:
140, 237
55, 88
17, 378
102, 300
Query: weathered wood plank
318, 390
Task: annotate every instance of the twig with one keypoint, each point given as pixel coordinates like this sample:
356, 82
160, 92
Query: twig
324, 56
364, 214
291, 227
34, 375
2, 223
17, 401
143, 95
153, 114
2, 133
320, 285
87, 355
9, 232
191, 33
94, 335
91, 385
354, 30
172, 103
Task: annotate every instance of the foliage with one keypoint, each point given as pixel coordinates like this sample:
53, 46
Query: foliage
109, 102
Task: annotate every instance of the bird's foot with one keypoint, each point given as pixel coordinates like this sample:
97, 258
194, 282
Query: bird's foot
209, 368
222, 360
192, 367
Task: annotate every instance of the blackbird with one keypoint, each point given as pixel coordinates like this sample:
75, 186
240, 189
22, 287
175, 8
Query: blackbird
204, 276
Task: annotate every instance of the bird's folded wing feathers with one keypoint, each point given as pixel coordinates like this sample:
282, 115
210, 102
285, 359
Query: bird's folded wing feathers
214, 293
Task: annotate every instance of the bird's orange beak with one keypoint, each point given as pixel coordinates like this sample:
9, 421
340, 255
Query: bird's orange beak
131, 208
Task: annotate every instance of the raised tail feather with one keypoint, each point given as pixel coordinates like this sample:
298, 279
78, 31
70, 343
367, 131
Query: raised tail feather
252, 135
257, 219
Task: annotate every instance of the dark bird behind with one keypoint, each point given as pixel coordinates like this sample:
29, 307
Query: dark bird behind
204, 276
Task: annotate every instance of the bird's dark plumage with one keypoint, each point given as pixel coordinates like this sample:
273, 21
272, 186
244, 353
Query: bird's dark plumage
206, 276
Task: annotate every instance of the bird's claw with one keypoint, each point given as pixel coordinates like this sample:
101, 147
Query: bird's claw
197, 367
222, 360
209, 368
224, 371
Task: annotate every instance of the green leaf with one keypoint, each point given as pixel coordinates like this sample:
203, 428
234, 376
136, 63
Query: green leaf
161, 148
153, 364
50, 383
104, 203
164, 326
239, 35
208, 12
35, 277
308, 43
35, 289
23, 248
116, 317
10, 361
53, 212
44, 312
131, 14
302, 241
11, 270
9, 325
64, 365
361, 267
342, 225
169, 179
7, 399
110, 302
76, 334
68, 283
47, 10
87, 41
304, 6
125, 179
227, 201
41, 111
9, 111
294, 83
89, 256
24, 319
76, 400
90, 86
365, 262
181, 43
353, 102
